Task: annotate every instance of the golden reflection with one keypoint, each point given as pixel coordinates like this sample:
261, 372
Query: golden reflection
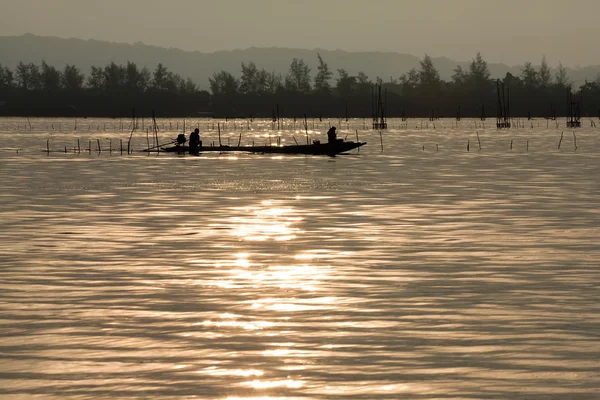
260, 398
246, 325
266, 222
286, 383
215, 371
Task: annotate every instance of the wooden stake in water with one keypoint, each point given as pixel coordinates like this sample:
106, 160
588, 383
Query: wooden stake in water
131, 134
155, 137
99, 147
478, 141
468, 145
48, 146
306, 128
560, 141
78, 147
381, 139
527, 149
219, 129
574, 140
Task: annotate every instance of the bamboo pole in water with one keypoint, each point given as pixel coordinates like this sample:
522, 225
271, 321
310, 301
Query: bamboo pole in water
306, 128
155, 132
560, 141
131, 134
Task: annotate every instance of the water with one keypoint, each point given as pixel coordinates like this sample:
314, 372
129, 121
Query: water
425, 271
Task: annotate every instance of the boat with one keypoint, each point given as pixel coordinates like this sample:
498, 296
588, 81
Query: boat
307, 149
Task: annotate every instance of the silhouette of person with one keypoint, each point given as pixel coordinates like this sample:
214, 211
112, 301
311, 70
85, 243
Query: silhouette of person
181, 139
331, 135
195, 142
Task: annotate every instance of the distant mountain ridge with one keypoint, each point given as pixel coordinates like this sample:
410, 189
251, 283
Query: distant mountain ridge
200, 66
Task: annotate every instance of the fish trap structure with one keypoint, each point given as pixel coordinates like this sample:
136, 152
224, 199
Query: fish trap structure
573, 111
379, 107
502, 106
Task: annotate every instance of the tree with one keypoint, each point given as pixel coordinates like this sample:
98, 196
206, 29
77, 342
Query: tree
429, 77
459, 77
479, 74
6, 78
346, 84
544, 74
529, 76
253, 81
298, 77
223, 83
72, 78
35, 77
274, 82
322, 85
188, 87
95, 80
136, 80
561, 77
363, 83
114, 77
174, 83
160, 78
23, 76
50, 78
409, 81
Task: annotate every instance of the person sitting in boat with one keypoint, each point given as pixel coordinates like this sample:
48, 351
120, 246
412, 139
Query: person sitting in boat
195, 142
181, 139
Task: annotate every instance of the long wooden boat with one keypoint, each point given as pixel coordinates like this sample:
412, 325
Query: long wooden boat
308, 149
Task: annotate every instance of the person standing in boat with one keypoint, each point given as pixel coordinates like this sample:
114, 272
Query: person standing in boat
195, 142
331, 135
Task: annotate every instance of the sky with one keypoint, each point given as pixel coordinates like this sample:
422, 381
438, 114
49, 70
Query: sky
507, 31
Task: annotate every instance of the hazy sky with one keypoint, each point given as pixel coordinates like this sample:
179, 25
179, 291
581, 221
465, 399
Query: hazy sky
509, 31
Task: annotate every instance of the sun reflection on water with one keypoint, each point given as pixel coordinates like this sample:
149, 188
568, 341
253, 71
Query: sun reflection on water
266, 222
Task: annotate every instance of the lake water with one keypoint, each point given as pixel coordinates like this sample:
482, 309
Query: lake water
425, 271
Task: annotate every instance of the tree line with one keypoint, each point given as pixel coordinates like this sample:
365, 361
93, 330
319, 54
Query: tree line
111, 78
471, 92
114, 89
